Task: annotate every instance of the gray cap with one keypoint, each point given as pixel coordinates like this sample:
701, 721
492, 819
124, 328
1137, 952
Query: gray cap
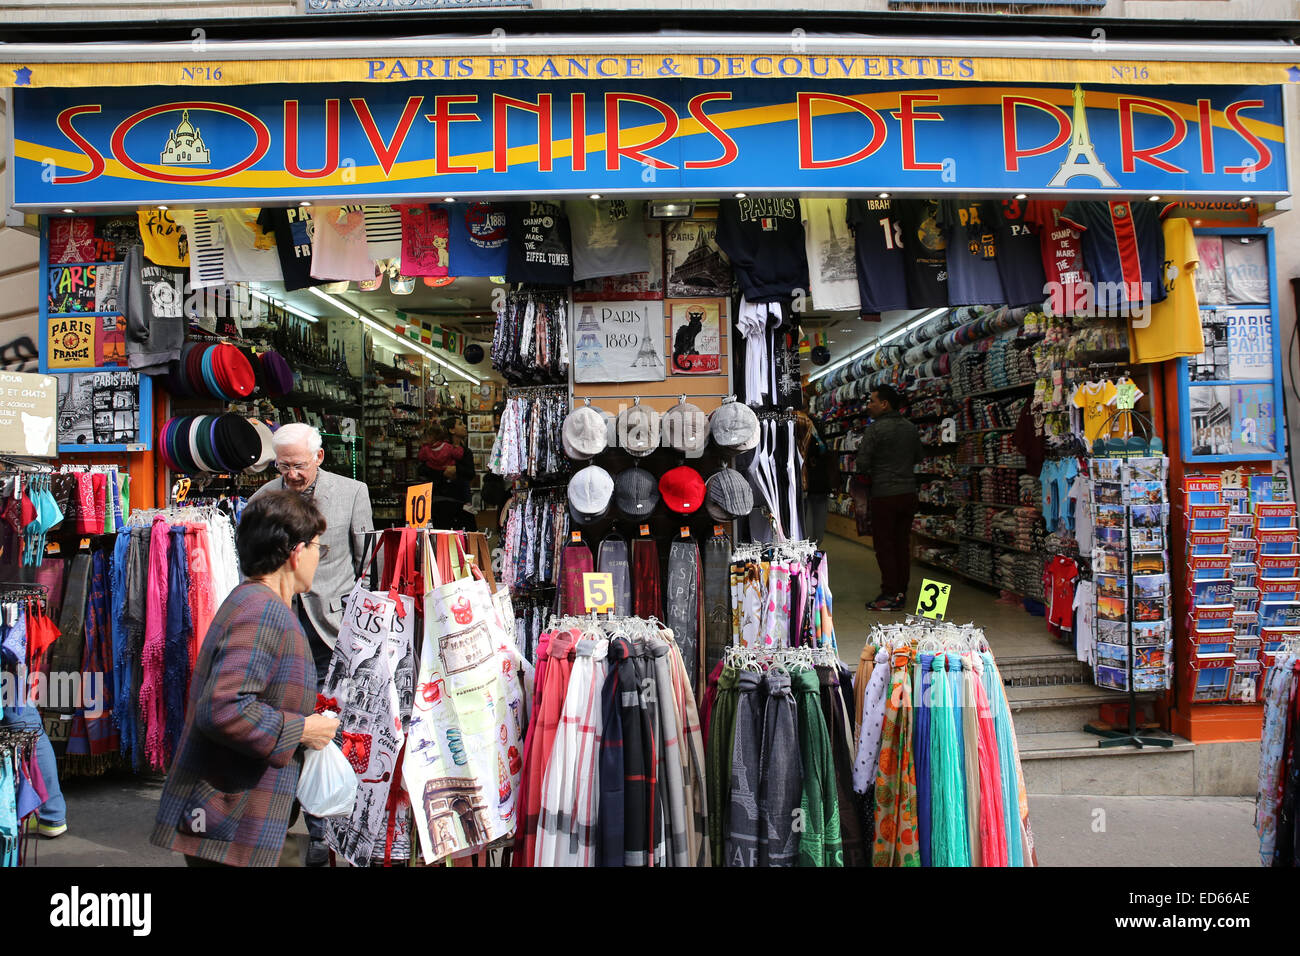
638, 430
636, 493
584, 434
734, 426
727, 496
590, 491
685, 428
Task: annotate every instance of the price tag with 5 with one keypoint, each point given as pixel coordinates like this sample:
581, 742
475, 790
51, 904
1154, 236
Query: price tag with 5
598, 592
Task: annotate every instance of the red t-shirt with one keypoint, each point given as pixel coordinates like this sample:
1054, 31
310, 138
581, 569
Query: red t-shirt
1062, 255
1059, 578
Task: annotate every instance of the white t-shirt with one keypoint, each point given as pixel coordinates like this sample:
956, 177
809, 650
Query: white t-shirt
207, 247
1085, 640
249, 254
832, 262
383, 232
339, 249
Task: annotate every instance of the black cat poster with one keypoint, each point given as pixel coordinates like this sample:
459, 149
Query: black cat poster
696, 337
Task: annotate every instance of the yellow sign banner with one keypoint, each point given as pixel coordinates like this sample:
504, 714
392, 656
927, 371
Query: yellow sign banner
932, 602
546, 69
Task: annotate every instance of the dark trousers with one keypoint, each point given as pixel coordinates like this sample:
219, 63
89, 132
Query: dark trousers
891, 530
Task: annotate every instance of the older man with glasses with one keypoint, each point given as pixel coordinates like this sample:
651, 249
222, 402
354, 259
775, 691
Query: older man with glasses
345, 503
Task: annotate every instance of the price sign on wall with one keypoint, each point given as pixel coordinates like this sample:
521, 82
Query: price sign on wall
419, 504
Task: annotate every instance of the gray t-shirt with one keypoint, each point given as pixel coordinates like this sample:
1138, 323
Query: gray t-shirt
608, 237
972, 253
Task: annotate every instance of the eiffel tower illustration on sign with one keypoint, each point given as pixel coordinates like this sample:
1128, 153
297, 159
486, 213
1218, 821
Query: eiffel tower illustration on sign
1082, 159
647, 355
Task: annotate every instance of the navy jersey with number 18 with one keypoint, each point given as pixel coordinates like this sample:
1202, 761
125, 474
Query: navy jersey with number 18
878, 241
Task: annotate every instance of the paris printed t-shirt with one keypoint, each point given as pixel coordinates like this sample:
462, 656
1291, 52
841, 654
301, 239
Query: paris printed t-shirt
925, 253
1171, 328
72, 239
426, 246
1124, 249
164, 240
1020, 253
764, 239
339, 248
539, 244
972, 253
831, 265
608, 237
879, 242
478, 238
1062, 251
292, 229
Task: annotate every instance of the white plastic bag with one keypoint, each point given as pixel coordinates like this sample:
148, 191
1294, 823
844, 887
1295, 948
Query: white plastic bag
327, 786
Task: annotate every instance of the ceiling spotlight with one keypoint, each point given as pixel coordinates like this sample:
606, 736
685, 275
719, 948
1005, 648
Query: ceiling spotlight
1153, 199
1247, 198
884, 195
1022, 195
69, 210
740, 195
162, 208
305, 202
449, 199
594, 196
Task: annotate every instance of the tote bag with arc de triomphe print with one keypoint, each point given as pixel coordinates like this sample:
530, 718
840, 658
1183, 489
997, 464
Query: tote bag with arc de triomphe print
463, 755
371, 677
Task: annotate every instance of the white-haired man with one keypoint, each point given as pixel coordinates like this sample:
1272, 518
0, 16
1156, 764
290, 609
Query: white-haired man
345, 503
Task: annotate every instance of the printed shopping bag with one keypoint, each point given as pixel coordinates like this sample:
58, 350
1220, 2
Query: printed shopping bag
463, 757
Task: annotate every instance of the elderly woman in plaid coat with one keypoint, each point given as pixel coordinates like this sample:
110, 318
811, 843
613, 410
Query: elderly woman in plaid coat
230, 791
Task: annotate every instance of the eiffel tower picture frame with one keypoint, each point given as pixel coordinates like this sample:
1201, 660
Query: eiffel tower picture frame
619, 342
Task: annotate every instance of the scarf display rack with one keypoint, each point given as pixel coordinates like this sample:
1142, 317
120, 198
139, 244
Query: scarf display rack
937, 759
530, 341
528, 441
19, 795
780, 596
613, 764
777, 721
1279, 761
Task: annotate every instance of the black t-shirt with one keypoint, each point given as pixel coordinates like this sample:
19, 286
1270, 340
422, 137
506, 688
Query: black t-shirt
1020, 253
925, 253
789, 391
540, 244
764, 240
293, 238
879, 242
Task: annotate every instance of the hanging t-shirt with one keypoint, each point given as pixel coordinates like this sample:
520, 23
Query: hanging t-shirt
1246, 263
764, 239
1059, 577
1097, 402
164, 240
972, 253
1124, 249
383, 232
293, 230
339, 250
878, 242
608, 237
1081, 493
1019, 253
1062, 251
72, 239
250, 254
207, 247
831, 266
1122, 426
539, 244
1173, 327
425, 240
479, 237
1085, 640
1211, 277
925, 253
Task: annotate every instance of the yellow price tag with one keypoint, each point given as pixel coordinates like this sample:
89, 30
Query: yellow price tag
419, 504
598, 592
933, 600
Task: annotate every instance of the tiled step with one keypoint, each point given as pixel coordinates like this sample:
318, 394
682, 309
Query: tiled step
1060, 707
1043, 671
1062, 762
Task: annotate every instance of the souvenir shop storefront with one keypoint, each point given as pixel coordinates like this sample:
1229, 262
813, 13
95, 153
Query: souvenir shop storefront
623, 273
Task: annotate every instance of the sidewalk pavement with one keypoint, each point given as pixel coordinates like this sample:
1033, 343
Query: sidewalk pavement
110, 819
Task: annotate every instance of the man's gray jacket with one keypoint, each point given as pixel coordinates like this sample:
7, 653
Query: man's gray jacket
890, 449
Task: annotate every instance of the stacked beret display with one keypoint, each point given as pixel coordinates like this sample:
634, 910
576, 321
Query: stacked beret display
220, 444
224, 371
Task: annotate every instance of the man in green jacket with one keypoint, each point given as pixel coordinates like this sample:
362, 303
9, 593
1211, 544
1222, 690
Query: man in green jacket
887, 458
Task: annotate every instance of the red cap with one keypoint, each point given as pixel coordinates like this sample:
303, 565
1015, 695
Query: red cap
682, 489
233, 372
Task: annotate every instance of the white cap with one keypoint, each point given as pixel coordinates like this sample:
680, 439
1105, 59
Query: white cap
584, 434
638, 430
590, 491
685, 428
